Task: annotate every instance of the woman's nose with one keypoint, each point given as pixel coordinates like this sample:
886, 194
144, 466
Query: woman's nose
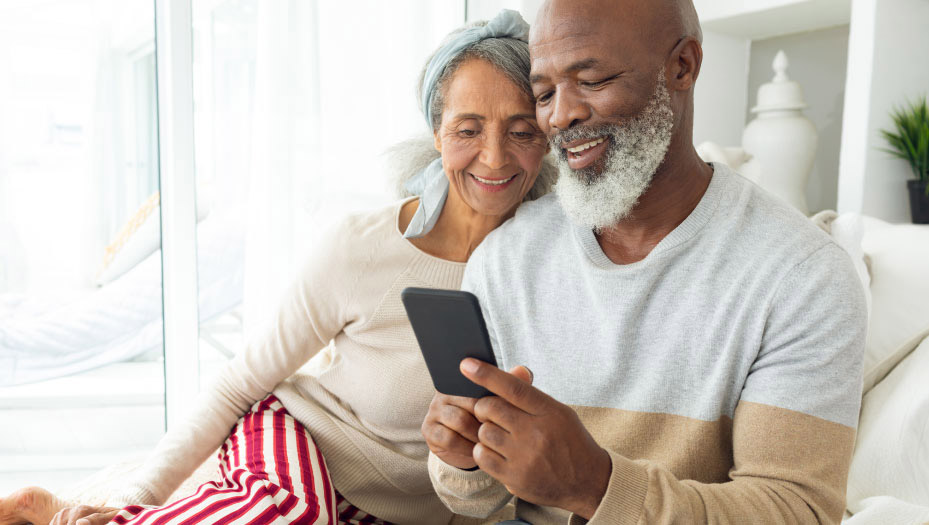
567, 110
493, 153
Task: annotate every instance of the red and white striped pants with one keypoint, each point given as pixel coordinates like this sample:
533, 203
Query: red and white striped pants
271, 472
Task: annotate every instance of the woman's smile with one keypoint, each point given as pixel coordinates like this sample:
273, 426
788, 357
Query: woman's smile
493, 184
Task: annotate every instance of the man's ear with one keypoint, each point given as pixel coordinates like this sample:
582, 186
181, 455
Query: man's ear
684, 64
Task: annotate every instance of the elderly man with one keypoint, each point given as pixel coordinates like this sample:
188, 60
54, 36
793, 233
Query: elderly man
696, 344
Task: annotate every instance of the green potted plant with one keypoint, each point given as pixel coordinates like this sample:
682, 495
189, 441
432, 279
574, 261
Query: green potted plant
910, 142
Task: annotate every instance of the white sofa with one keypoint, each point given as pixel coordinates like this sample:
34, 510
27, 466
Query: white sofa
889, 478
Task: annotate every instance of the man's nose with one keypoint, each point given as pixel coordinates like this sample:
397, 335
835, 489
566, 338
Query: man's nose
567, 110
493, 152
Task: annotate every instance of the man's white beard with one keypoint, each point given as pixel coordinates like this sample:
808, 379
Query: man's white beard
600, 200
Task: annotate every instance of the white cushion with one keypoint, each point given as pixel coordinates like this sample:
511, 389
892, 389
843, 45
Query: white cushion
892, 450
882, 510
899, 264
141, 236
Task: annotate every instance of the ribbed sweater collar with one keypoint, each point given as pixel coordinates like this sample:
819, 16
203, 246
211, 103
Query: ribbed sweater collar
685, 231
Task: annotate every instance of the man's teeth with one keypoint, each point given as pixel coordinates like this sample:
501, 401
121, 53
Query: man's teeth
582, 147
490, 182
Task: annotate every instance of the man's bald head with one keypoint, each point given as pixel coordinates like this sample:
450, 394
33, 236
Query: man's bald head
672, 18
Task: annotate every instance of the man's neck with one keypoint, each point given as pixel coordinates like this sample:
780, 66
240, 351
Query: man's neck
672, 196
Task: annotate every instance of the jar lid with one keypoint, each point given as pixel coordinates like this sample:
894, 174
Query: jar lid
781, 94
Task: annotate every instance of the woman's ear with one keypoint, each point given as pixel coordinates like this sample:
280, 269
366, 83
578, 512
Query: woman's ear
437, 141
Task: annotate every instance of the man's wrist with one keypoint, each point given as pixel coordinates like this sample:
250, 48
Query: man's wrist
589, 500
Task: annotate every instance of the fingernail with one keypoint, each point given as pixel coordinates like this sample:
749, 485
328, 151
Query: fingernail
531, 375
469, 365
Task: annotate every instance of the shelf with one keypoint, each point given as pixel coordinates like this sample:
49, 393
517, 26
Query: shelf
760, 19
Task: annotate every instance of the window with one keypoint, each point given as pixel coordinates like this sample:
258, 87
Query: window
80, 268
295, 102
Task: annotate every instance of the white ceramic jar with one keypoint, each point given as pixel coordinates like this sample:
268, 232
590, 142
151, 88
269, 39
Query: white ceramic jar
781, 140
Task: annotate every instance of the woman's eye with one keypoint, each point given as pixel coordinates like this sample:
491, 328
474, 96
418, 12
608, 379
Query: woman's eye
467, 132
523, 135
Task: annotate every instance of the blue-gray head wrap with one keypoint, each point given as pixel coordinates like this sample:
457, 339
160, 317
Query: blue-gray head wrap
431, 184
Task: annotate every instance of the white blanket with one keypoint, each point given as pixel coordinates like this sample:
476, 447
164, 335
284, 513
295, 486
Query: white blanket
46, 337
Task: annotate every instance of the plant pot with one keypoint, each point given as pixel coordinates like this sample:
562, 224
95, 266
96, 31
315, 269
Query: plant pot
919, 201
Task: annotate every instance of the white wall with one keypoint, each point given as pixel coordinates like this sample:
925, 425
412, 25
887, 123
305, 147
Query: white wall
487, 9
818, 63
762, 19
891, 35
720, 97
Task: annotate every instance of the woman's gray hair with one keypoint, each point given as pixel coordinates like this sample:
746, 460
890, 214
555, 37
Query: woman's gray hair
511, 57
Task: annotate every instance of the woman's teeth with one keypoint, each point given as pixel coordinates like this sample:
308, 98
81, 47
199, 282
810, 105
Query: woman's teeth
582, 147
490, 182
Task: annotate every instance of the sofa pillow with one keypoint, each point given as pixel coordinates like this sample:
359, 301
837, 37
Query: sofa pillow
141, 236
882, 510
899, 266
892, 450
136, 240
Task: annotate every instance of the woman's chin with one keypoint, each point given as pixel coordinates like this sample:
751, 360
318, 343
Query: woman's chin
494, 202
495, 207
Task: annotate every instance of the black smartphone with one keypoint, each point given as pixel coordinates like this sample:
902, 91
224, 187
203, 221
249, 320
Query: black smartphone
449, 327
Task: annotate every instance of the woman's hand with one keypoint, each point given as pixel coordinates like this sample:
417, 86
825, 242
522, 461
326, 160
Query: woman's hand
84, 515
450, 427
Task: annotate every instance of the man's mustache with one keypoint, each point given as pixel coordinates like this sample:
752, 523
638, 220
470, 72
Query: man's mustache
582, 132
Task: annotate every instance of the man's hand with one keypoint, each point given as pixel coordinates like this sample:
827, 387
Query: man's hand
84, 515
537, 447
450, 427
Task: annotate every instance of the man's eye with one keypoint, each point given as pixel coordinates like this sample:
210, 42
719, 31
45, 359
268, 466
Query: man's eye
544, 97
596, 83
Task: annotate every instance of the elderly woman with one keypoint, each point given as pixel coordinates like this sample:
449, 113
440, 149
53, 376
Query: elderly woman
340, 440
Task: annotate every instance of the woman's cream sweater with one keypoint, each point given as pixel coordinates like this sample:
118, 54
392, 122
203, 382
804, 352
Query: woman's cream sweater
365, 391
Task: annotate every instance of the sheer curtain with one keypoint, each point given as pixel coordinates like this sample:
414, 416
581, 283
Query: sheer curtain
303, 98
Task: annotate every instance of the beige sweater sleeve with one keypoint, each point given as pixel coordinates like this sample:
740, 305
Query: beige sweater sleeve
790, 468
312, 312
469, 493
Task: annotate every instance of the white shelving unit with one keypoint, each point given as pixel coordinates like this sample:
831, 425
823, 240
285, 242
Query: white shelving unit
741, 39
886, 66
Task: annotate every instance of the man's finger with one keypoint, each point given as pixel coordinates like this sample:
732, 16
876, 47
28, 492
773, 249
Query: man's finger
464, 403
449, 441
523, 373
459, 420
519, 393
488, 460
497, 410
495, 438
